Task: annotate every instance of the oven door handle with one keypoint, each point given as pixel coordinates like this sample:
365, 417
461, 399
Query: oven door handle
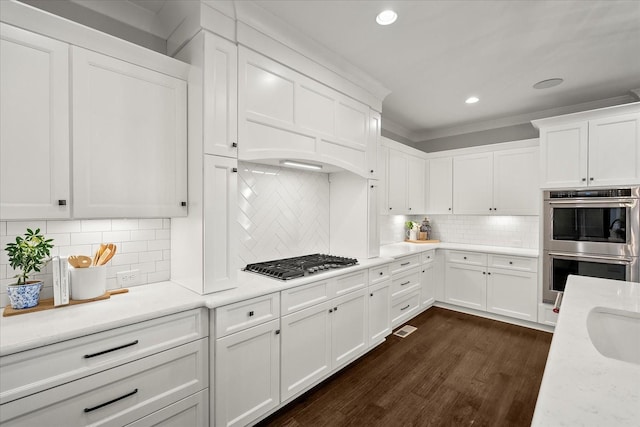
594, 203
621, 260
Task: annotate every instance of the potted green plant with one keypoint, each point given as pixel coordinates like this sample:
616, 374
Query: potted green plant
28, 254
412, 230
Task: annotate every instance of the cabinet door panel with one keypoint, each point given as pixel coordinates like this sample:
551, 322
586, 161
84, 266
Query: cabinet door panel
466, 286
379, 312
220, 226
348, 327
614, 150
397, 183
315, 110
513, 294
440, 186
563, 156
375, 127
428, 285
247, 375
416, 182
306, 348
352, 123
473, 184
34, 131
192, 411
221, 99
129, 139
515, 182
268, 94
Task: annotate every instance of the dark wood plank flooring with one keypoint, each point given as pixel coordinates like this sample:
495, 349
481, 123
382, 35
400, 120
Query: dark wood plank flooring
455, 370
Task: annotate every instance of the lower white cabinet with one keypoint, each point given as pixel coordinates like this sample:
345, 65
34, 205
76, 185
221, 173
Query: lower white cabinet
512, 293
139, 378
247, 374
322, 338
405, 307
192, 411
428, 285
466, 285
379, 312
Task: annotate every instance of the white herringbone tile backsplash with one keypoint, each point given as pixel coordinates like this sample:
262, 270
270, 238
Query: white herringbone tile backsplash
142, 244
282, 212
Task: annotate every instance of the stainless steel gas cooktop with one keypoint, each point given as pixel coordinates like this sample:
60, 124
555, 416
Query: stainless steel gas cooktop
291, 268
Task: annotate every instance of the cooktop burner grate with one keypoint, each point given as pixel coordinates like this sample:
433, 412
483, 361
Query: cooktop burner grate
291, 268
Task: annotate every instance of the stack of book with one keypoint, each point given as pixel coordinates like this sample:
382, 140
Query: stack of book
60, 280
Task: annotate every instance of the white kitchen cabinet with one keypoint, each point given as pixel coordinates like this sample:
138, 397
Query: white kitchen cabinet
512, 293
373, 144
473, 184
129, 139
34, 135
353, 215
283, 114
220, 89
503, 182
406, 183
516, 185
383, 183
440, 182
306, 348
113, 377
322, 338
379, 312
591, 148
405, 308
428, 285
192, 411
466, 285
247, 374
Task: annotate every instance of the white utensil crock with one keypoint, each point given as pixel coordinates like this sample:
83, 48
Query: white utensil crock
88, 283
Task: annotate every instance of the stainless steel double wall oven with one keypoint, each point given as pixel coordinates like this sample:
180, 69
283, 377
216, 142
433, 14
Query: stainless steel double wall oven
590, 233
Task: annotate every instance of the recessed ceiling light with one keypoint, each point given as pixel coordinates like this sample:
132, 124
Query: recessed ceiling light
386, 17
546, 84
472, 100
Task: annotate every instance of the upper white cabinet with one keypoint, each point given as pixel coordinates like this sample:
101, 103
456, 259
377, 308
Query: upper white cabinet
502, 182
283, 114
405, 183
129, 139
593, 148
220, 95
440, 181
34, 131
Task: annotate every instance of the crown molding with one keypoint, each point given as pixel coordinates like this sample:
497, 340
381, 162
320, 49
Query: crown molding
395, 128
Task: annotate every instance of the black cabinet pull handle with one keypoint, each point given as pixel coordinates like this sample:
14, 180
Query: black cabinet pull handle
381, 273
405, 283
234, 144
464, 257
371, 170
591, 179
102, 405
489, 273
584, 179
277, 331
449, 208
331, 310
100, 353
405, 307
183, 203
62, 203
510, 262
251, 313
234, 170
484, 272
370, 295
335, 308
405, 263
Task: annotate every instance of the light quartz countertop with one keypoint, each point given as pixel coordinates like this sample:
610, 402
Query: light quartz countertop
31, 330
580, 386
397, 250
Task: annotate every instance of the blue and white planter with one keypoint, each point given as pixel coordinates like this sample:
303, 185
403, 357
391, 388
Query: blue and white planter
24, 296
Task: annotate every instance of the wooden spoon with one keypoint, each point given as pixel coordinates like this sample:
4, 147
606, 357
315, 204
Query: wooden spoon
112, 251
79, 261
98, 254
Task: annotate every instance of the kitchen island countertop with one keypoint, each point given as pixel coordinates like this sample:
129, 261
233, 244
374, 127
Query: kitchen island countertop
581, 387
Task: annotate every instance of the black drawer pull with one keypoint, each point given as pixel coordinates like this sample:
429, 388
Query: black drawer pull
381, 273
405, 283
370, 294
464, 257
251, 313
102, 405
510, 262
335, 308
100, 353
405, 263
405, 307
277, 331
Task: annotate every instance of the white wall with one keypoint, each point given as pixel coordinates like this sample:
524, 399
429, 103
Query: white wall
142, 244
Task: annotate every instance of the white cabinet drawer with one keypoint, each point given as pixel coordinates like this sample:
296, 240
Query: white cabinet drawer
300, 297
405, 263
351, 282
35, 370
405, 308
117, 396
192, 411
244, 314
469, 258
513, 262
379, 274
405, 283
428, 257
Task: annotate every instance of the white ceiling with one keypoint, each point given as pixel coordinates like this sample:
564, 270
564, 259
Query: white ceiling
440, 52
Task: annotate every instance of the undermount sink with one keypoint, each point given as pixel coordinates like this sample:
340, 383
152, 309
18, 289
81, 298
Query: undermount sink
615, 333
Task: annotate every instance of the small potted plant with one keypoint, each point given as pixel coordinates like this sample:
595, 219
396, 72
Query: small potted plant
412, 230
28, 254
